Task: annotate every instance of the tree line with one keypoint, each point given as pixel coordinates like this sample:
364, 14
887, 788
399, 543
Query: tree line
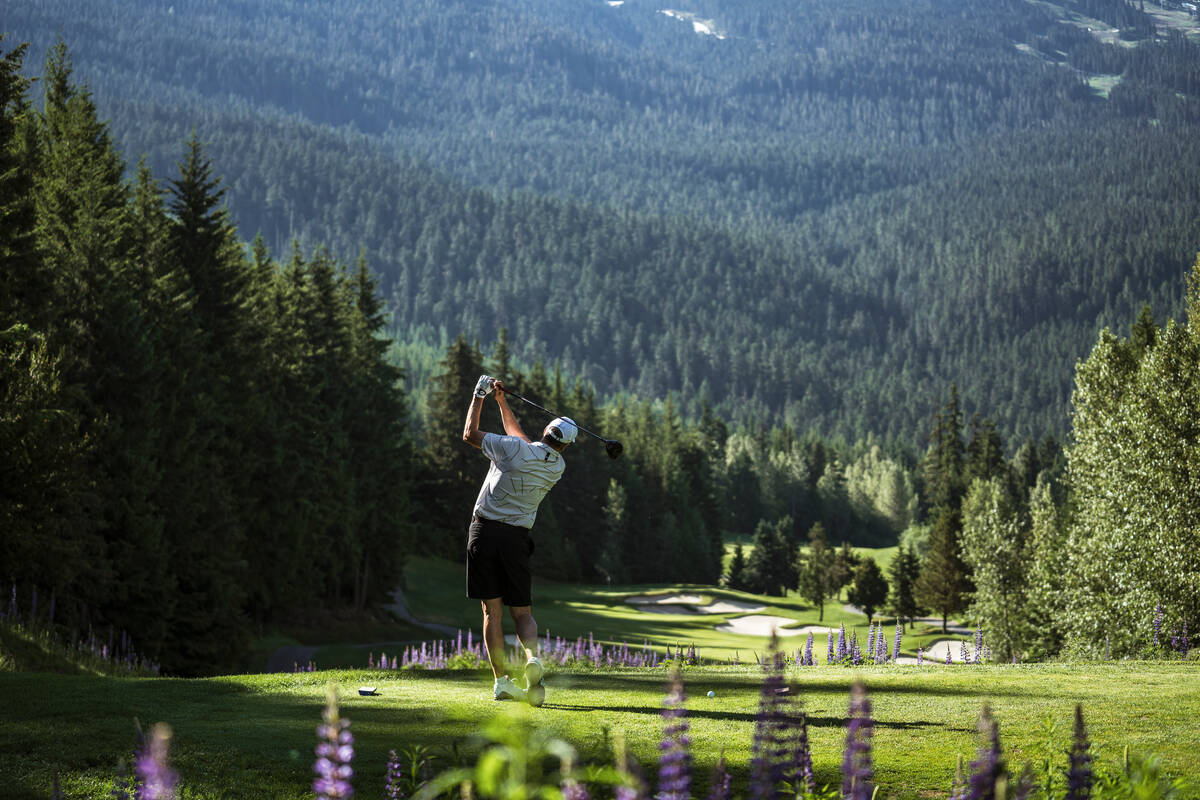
837, 205
196, 438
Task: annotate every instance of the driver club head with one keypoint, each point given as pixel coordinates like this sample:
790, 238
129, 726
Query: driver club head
613, 448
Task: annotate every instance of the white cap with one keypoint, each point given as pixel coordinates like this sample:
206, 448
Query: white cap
566, 428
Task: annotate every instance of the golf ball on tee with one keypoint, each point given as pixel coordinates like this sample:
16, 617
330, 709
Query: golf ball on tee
711, 693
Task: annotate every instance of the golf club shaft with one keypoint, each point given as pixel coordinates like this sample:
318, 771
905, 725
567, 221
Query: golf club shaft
548, 411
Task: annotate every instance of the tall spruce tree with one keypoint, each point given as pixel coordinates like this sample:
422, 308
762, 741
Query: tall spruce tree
814, 570
904, 572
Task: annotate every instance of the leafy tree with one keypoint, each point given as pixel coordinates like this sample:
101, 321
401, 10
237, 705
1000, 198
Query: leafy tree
995, 546
869, 590
841, 572
1137, 503
1048, 574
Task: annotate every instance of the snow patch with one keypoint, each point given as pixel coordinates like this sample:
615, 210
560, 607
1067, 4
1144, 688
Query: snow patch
705, 27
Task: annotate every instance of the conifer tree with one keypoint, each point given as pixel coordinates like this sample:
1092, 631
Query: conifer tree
815, 570
455, 469
869, 590
944, 584
905, 571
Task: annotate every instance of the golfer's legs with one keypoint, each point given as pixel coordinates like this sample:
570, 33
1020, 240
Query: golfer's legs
526, 628
493, 634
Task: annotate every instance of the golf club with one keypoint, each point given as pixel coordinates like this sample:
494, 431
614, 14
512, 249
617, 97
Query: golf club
611, 446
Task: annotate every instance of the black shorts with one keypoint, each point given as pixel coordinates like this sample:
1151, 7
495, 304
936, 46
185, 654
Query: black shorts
498, 562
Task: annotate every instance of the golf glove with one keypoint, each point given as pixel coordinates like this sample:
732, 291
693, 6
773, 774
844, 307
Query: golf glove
484, 387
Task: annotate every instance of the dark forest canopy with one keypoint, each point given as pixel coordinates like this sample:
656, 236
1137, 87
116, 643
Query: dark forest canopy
821, 219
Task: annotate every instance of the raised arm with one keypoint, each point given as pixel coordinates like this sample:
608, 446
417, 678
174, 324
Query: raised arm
471, 433
511, 426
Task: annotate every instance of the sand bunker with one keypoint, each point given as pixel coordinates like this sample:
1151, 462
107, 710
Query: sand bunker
665, 599
762, 625
690, 604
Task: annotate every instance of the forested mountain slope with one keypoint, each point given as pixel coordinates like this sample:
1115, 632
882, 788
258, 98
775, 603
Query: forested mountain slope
825, 212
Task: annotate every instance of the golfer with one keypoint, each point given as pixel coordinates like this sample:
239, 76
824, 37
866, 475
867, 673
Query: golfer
498, 544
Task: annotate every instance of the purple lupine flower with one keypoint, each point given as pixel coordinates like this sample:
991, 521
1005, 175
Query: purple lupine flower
802, 766
1079, 769
156, 780
769, 746
871, 639
857, 774
1024, 788
829, 647
989, 766
1183, 640
721, 781
920, 655
392, 790
855, 652
121, 785
978, 644
899, 635
958, 786
574, 790
808, 656
963, 655
881, 648
674, 761
948, 659
334, 752
841, 642
1158, 618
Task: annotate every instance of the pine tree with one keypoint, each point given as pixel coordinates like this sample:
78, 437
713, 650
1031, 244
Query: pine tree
904, 573
815, 570
944, 583
454, 468
869, 590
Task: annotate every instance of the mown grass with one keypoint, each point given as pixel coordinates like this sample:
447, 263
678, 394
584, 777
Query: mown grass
252, 736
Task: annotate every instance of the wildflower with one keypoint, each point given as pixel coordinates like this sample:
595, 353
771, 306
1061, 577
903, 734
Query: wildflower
802, 766
722, 781
829, 644
808, 656
1024, 787
334, 753
841, 642
766, 767
391, 790
156, 779
855, 653
871, 639
989, 766
857, 774
963, 655
574, 790
1158, 618
674, 763
920, 655
978, 644
1079, 762
948, 659
899, 634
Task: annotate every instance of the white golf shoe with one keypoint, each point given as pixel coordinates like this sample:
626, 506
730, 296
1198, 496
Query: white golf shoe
535, 681
505, 689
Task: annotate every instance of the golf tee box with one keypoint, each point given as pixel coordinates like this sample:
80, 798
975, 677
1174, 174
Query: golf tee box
366, 690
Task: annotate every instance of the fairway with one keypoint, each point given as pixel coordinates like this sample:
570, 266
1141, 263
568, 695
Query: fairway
253, 736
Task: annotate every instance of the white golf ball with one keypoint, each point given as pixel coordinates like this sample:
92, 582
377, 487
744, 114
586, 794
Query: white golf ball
711, 693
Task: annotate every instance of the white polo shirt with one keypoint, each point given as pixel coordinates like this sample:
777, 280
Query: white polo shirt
519, 477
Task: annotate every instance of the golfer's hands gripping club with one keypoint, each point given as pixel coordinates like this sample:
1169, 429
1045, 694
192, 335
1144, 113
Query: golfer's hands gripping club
484, 387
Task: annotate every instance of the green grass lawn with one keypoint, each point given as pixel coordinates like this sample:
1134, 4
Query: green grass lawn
253, 736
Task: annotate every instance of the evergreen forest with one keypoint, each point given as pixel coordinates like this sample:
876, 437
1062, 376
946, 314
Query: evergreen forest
818, 216
832, 273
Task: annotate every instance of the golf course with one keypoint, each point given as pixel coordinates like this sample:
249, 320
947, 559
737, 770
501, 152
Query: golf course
253, 736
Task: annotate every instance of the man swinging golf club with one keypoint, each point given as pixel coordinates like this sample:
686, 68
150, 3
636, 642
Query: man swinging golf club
498, 543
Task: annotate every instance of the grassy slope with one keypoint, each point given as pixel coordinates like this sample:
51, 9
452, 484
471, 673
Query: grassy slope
435, 593
252, 736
